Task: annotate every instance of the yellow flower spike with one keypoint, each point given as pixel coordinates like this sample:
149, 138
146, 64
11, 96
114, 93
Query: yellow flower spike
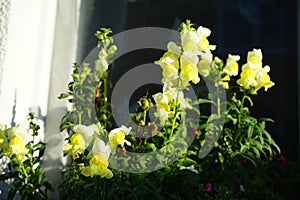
253, 74
232, 68
117, 136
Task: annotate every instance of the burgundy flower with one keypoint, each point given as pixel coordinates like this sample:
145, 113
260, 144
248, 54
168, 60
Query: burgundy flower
283, 160
243, 159
208, 188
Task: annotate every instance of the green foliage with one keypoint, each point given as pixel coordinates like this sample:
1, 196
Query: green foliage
27, 174
242, 164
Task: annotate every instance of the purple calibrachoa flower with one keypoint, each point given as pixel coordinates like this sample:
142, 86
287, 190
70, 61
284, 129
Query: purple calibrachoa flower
208, 188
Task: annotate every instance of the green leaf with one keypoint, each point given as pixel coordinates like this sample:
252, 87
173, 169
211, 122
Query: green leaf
202, 101
249, 100
152, 146
255, 150
231, 118
64, 95
250, 132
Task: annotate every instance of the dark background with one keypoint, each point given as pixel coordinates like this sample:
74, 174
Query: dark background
237, 27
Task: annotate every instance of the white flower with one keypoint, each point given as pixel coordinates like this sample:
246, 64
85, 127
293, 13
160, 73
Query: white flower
87, 132
100, 148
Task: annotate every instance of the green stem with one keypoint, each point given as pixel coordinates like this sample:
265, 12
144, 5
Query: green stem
144, 117
144, 120
176, 113
174, 123
241, 108
105, 91
24, 172
79, 117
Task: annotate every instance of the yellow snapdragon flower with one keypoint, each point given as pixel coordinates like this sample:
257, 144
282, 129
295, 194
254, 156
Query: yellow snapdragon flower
170, 65
162, 104
204, 45
263, 80
254, 58
224, 82
248, 78
77, 144
81, 139
253, 75
196, 40
190, 40
174, 48
189, 70
98, 165
204, 67
100, 148
117, 136
232, 68
16, 148
19, 131
189, 73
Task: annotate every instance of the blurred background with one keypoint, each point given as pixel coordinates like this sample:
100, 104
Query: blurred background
39, 41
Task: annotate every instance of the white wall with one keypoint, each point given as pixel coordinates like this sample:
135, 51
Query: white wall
27, 62
40, 49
